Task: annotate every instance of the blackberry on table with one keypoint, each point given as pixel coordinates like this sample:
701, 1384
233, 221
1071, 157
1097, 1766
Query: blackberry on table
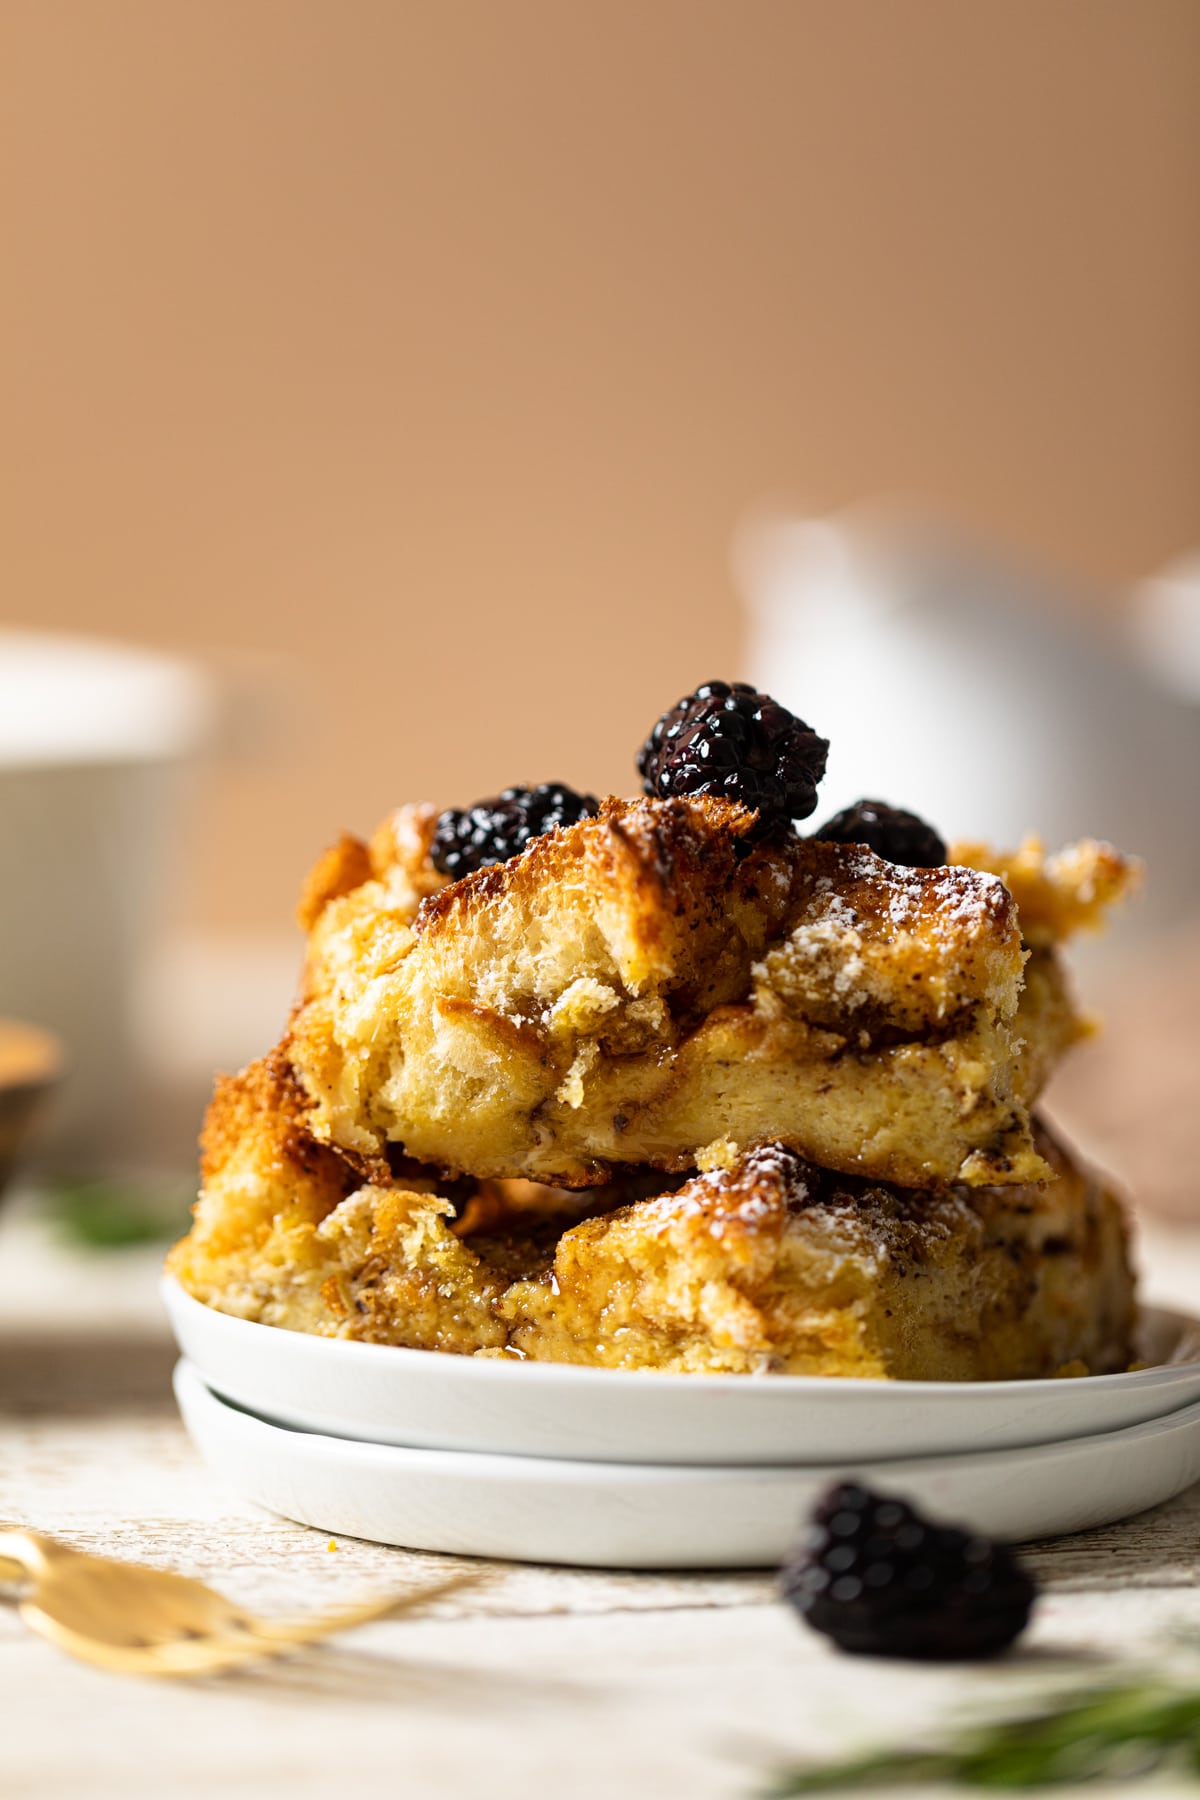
729, 740
896, 835
493, 830
880, 1580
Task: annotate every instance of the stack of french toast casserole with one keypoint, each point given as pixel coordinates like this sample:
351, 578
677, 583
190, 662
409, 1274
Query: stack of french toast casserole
676, 1083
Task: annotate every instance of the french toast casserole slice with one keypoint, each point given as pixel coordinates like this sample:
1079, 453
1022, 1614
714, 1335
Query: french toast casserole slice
663, 1092
764, 1264
636, 986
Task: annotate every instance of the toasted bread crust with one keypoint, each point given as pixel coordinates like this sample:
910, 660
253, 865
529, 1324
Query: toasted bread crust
346, 865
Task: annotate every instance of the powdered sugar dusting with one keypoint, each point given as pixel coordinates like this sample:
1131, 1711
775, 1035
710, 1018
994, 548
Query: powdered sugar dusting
765, 1177
950, 901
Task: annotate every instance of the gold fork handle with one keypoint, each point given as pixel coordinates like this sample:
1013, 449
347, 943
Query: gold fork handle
178, 1656
26, 1553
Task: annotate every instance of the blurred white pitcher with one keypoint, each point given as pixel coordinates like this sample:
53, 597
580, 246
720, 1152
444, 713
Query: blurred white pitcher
960, 686
95, 739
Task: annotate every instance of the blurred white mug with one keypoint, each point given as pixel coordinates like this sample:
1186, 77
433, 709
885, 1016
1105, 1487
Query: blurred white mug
96, 740
955, 684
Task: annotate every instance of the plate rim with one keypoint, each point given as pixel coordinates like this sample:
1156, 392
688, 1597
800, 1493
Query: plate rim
498, 1465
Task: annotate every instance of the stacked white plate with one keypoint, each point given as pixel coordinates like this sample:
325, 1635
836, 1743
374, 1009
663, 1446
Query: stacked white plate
544, 1462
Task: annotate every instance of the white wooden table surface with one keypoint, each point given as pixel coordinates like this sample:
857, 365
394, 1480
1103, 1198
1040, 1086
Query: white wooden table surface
584, 1684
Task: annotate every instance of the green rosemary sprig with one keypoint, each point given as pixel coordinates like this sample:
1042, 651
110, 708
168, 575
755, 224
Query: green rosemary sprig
114, 1215
1103, 1734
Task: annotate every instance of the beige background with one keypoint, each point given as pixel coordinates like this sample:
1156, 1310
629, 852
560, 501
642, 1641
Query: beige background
435, 348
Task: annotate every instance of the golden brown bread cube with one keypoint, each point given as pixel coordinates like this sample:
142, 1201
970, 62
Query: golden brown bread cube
1057, 895
775, 1265
643, 983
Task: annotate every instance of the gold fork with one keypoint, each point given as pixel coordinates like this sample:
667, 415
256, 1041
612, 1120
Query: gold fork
138, 1621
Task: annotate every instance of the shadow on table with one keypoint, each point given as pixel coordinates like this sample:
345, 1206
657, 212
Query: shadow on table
78, 1374
336, 1672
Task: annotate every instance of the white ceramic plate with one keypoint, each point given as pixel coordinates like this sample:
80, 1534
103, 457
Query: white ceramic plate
647, 1516
426, 1400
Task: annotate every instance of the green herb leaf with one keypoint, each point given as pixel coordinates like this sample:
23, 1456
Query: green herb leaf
1105, 1734
112, 1215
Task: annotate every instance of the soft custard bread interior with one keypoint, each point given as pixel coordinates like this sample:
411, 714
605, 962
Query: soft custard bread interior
643, 983
767, 1264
